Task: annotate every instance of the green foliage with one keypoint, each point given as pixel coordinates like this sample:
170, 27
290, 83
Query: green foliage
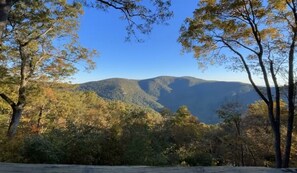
38, 149
140, 140
257, 37
116, 133
124, 90
10, 150
184, 134
73, 141
40, 44
33, 39
81, 128
200, 159
64, 146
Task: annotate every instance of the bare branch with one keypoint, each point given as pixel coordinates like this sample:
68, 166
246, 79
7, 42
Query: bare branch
248, 71
242, 45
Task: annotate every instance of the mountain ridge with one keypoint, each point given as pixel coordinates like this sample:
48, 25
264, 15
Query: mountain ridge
202, 97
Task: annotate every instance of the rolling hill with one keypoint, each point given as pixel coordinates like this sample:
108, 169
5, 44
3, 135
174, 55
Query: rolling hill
202, 97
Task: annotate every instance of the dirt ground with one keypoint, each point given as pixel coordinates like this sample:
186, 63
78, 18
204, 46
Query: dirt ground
47, 168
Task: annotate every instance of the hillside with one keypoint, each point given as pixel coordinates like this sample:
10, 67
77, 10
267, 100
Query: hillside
202, 97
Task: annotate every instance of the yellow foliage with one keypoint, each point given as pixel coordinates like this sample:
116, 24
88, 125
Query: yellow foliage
270, 33
280, 5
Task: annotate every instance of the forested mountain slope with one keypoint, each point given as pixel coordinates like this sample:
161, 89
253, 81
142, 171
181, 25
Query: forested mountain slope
202, 97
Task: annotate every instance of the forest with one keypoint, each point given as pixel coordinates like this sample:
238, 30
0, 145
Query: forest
44, 119
66, 126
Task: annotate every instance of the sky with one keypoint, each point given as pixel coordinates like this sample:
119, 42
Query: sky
159, 55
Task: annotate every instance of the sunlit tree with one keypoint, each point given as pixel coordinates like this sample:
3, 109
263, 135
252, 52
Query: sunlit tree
254, 36
40, 44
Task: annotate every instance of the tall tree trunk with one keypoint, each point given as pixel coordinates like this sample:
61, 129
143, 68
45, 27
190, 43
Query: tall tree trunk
242, 154
252, 154
289, 137
17, 111
274, 118
15, 120
5, 6
277, 137
291, 101
39, 120
237, 124
277, 111
277, 147
19, 107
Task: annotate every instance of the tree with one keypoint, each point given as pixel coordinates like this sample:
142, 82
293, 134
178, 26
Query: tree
259, 36
259, 132
232, 113
5, 6
184, 132
140, 17
39, 44
133, 11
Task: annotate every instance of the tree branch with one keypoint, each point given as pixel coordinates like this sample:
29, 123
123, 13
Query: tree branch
37, 37
248, 72
7, 99
242, 45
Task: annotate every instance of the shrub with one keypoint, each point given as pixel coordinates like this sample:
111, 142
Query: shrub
199, 159
38, 149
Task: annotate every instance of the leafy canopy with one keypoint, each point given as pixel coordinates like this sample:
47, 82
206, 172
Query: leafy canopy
41, 39
236, 32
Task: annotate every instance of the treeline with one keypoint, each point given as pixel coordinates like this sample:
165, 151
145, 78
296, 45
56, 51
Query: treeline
66, 126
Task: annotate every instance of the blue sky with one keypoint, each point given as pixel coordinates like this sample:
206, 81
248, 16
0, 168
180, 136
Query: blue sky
159, 55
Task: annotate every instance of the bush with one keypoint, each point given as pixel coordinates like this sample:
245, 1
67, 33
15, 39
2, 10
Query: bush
10, 150
200, 159
82, 145
38, 149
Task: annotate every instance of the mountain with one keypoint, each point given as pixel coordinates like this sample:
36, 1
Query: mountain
202, 97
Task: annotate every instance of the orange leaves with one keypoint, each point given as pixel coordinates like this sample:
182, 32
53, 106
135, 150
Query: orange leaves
238, 27
270, 33
280, 5
50, 94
